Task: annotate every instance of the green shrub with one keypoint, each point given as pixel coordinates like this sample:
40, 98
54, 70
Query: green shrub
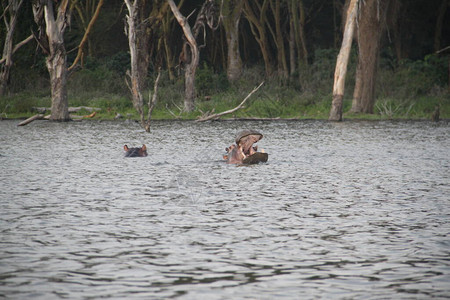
96, 81
318, 76
207, 82
119, 63
412, 79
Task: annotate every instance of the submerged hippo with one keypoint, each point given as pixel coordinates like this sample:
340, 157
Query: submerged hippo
243, 151
135, 152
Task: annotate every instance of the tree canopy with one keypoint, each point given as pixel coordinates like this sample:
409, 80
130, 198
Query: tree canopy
413, 31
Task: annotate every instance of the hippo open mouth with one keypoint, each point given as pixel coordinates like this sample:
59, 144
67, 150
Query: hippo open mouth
243, 151
246, 139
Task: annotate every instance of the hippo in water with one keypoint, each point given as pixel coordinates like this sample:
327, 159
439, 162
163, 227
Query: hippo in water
243, 151
135, 152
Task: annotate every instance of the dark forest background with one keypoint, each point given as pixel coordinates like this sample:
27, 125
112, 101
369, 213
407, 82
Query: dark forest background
413, 65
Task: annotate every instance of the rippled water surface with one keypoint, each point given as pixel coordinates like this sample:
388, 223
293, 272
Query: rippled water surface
346, 210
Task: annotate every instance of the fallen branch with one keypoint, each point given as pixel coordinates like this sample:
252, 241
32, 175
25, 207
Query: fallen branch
216, 116
31, 119
43, 110
262, 119
90, 115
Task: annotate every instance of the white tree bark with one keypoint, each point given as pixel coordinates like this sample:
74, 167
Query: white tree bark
342, 62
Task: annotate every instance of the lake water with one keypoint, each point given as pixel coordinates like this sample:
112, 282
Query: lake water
349, 210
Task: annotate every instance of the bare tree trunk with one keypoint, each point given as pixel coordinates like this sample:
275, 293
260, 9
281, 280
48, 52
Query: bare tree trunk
52, 43
191, 51
232, 14
138, 44
191, 66
189, 82
342, 62
57, 66
371, 27
143, 46
357, 92
138, 33
135, 88
12, 9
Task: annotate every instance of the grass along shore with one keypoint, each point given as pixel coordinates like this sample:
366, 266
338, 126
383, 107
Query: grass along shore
411, 91
261, 105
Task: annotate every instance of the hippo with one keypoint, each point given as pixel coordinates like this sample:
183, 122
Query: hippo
243, 151
135, 152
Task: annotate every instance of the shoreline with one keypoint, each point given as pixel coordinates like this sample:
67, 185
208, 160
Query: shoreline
246, 119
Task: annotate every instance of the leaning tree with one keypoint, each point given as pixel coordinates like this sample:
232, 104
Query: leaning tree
342, 62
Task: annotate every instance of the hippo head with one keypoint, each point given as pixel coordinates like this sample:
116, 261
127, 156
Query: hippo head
246, 138
243, 150
135, 152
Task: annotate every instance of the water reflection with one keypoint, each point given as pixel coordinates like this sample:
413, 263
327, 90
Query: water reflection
341, 210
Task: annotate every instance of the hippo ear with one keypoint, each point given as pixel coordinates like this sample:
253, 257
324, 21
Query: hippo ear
144, 147
125, 148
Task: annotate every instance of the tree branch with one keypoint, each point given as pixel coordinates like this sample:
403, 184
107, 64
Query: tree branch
86, 34
17, 46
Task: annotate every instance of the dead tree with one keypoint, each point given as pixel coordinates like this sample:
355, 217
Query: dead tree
190, 56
